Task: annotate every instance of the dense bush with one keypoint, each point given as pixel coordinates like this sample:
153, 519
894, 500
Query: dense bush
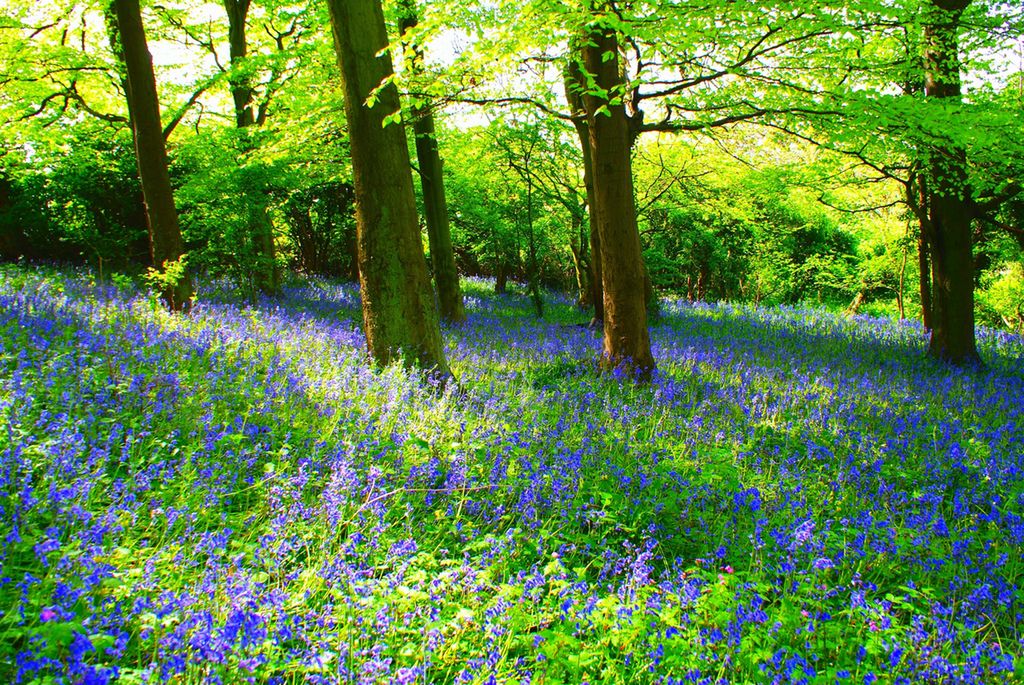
79, 202
754, 239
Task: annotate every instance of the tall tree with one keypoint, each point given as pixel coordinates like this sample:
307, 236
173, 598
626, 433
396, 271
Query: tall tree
626, 339
948, 194
575, 86
150, 151
267, 276
399, 318
431, 171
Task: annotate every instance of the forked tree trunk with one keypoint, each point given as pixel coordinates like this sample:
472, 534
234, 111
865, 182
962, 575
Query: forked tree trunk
150, 152
575, 86
949, 197
399, 318
261, 228
439, 234
626, 340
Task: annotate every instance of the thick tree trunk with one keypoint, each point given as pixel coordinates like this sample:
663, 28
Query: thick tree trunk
949, 197
575, 86
439, 234
150, 152
241, 91
399, 318
626, 341
261, 228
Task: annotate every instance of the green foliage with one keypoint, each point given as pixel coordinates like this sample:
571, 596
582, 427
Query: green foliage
1001, 297
81, 201
223, 198
169, 277
734, 233
487, 185
321, 231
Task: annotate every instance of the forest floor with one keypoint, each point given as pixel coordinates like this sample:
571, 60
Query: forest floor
237, 496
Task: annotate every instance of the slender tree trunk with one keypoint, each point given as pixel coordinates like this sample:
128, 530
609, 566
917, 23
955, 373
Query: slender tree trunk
304, 236
858, 300
261, 228
150, 151
501, 278
580, 262
500, 265
534, 276
575, 86
949, 197
651, 295
924, 281
399, 318
626, 340
439, 234
923, 263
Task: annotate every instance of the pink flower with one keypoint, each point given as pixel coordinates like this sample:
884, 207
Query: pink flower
47, 614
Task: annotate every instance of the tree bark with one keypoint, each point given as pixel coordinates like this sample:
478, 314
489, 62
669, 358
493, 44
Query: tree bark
534, 276
399, 318
150, 151
241, 91
580, 262
261, 228
575, 86
501, 279
626, 339
439, 234
924, 279
949, 197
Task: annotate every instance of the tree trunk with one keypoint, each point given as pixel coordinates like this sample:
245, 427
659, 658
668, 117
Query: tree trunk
261, 228
534, 276
439, 234
575, 86
949, 197
626, 340
924, 280
399, 318
854, 305
501, 279
241, 91
650, 295
304, 236
150, 152
900, 292
580, 263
